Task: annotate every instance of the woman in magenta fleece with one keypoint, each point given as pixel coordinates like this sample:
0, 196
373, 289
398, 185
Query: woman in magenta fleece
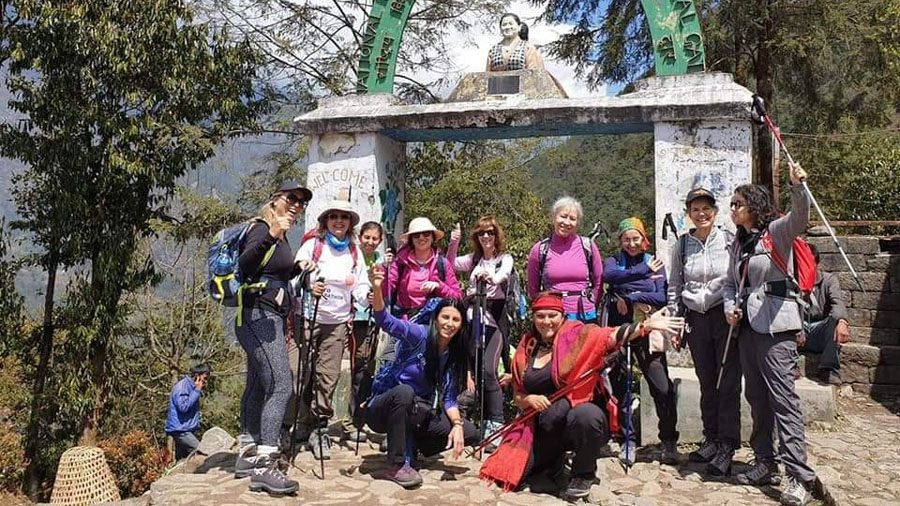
567, 267
415, 276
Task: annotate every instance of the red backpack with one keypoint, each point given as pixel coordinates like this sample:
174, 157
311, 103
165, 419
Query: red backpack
804, 275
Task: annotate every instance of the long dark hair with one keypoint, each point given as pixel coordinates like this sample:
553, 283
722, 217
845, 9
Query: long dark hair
760, 204
458, 361
523, 28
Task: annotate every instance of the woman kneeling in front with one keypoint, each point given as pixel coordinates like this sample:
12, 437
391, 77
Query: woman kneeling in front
554, 354
430, 360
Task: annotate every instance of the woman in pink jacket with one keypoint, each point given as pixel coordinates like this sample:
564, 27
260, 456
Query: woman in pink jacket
420, 271
567, 263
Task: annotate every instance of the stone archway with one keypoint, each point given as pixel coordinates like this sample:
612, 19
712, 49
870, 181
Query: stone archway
674, 28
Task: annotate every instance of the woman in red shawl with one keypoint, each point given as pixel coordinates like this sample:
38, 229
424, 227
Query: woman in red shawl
552, 355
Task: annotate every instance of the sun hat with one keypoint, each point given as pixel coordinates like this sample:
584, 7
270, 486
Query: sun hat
293, 186
340, 205
421, 224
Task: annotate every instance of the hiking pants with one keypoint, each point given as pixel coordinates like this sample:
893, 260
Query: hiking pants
268, 386
401, 415
561, 428
820, 339
655, 370
359, 355
185, 444
720, 409
328, 343
768, 362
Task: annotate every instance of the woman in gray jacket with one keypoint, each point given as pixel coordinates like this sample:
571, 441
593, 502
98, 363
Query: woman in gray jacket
699, 264
764, 302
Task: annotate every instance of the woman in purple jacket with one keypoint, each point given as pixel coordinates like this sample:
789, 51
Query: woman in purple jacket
637, 284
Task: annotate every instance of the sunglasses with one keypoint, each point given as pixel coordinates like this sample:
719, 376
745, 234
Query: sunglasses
486, 233
294, 200
736, 205
338, 216
419, 234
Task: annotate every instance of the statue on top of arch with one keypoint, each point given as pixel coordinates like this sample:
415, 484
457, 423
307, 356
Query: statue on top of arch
514, 52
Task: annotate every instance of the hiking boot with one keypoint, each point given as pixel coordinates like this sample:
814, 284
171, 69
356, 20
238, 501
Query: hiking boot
629, 457
403, 475
579, 487
271, 479
708, 449
320, 444
797, 493
762, 473
352, 433
829, 377
245, 462
668, 453
720, 465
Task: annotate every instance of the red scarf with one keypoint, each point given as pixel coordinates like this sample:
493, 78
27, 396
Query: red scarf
577, 348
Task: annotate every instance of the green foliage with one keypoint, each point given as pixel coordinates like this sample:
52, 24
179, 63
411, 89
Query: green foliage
122, 98
612, 177
11, 302
13, 401
459, 183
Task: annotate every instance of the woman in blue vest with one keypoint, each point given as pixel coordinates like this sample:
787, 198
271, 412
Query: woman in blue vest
414, 397
637, 287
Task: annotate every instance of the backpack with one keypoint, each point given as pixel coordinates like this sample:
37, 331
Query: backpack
320, 245
225, 281
804, 275
588, 255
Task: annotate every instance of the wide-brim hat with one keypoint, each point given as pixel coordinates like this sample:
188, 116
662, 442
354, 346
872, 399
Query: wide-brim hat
293, 186
340, 205
421, 224
698, 193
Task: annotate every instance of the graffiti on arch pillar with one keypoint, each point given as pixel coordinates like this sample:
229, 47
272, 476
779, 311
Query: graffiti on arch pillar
674, 27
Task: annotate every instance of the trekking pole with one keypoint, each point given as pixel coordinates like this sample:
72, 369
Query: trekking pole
759, 116
478, 322
732, 327
626, 462
298, 340
310, 353
669, 224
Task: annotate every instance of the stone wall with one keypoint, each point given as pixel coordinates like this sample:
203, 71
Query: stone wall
870, 363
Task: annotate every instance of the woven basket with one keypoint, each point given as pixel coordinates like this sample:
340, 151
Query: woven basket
83, 478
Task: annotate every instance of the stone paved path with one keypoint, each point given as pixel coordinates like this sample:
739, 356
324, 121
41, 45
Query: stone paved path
858, 458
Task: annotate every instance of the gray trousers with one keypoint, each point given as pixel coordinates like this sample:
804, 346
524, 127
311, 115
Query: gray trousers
768, 364
185, 443
720, 409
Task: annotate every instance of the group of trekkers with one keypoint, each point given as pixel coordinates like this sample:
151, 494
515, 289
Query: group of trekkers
439, 345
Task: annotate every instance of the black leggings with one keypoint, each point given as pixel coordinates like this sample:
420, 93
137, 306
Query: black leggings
655, 370
399, 414
561, 428
494, 348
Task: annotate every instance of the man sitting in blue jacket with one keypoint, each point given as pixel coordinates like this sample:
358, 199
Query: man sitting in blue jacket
184, 410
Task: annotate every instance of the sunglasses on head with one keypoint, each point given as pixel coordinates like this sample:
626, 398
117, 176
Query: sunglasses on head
338, 216
488, 233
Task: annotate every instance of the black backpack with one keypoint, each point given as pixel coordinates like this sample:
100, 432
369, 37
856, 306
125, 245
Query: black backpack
588, 255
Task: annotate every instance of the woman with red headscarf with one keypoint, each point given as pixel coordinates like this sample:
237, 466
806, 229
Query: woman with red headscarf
554, 354
637, 287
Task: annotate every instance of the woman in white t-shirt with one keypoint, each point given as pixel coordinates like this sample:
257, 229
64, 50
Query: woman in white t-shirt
339, 276
488, 263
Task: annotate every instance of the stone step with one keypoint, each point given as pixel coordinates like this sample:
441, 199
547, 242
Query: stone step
818, 404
